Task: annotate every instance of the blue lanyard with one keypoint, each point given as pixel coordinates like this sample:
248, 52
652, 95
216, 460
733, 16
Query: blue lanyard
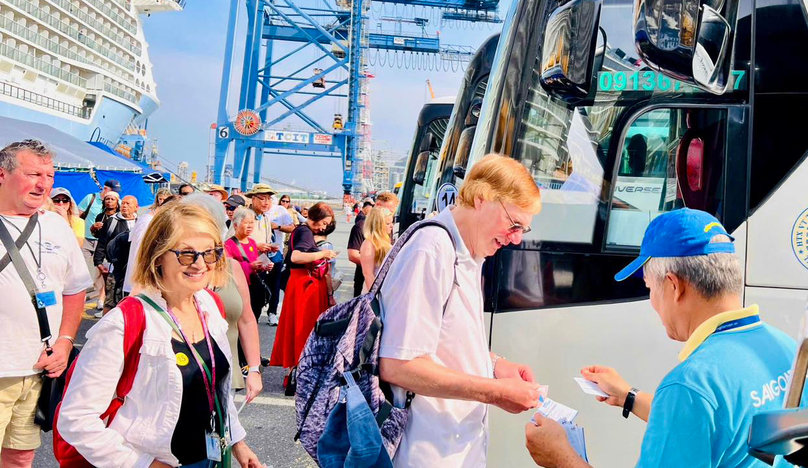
738, 323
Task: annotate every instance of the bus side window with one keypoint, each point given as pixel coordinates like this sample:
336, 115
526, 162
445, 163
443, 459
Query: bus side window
671, 158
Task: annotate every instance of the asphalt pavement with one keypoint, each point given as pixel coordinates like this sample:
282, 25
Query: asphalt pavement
270, 419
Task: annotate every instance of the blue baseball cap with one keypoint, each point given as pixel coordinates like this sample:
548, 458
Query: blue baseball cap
678, 233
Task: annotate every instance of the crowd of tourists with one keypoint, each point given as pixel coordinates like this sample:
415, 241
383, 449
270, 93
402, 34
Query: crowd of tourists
179, 287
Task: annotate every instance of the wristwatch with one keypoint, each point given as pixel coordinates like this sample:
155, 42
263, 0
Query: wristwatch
628, 405
254, 369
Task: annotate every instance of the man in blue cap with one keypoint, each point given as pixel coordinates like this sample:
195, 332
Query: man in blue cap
733, 365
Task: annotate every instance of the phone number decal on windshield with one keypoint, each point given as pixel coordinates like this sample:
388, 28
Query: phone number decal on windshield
649, 81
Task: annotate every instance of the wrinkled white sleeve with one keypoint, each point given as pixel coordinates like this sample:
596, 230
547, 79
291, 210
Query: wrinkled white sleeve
413, 295
91, 388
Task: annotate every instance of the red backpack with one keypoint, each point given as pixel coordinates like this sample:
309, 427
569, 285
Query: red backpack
134, 323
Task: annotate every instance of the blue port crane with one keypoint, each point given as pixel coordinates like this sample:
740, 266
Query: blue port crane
299, 52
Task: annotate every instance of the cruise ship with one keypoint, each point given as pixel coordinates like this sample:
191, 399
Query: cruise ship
80, 66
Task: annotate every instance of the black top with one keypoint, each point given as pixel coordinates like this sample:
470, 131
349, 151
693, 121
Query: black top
355, 243
188, 441
302, 240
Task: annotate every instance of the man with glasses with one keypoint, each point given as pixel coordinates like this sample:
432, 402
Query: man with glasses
434, 342
230, 206
185, 189
261, 202
282, 224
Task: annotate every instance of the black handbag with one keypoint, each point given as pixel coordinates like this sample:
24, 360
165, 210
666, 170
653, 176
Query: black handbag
52, 389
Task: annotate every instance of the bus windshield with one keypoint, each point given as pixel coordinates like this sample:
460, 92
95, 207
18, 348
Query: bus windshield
567, 148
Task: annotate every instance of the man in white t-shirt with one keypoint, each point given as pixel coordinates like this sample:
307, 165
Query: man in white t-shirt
54, 261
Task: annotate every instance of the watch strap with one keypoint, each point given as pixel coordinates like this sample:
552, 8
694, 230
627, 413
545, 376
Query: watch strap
628, 405
254, 369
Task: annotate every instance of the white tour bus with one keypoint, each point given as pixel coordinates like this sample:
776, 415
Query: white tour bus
585, 99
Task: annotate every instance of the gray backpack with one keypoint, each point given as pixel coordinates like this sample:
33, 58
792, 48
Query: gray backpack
346, 339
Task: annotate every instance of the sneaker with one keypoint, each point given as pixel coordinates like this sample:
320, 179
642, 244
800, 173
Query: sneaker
99, 314
272, 321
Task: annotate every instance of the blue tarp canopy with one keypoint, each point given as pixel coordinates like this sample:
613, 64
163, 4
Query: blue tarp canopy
76, 159
71, 152
81, 183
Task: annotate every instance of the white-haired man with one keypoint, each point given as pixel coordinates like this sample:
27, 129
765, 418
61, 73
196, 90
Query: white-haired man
53, 260
701, 412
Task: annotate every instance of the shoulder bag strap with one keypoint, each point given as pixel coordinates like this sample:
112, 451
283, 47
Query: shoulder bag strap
89, 205
25, 275
26, 234
240, 248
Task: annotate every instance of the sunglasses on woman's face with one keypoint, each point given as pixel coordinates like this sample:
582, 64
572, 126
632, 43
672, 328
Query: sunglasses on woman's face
230, 208
61, 201
188, 257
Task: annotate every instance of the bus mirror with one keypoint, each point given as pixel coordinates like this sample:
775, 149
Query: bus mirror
427, 142
568, 53
420, 167
688, 41
474, 111
461, 159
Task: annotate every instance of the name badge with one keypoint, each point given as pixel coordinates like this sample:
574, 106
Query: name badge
45, 299
213, 445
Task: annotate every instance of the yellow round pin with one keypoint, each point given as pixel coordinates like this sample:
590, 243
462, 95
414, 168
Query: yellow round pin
182, 359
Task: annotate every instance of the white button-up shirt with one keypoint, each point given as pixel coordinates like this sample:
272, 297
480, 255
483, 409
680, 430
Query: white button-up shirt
141, 431
440, 432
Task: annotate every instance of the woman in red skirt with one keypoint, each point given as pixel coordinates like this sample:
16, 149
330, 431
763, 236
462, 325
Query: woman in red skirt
306, 294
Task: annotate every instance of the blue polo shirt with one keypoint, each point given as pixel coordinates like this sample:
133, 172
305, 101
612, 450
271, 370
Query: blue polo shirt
702, 410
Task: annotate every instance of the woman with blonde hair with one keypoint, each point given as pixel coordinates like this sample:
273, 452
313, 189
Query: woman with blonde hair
62, 202
180, 409
378, 231
160, 198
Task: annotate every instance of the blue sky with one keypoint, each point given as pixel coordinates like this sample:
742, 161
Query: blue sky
187, 52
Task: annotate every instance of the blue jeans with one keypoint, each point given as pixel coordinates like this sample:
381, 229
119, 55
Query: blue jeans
352, 438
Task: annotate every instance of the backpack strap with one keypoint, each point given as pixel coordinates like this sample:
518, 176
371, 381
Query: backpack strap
219, 303
134, 324
376, 288
369, 344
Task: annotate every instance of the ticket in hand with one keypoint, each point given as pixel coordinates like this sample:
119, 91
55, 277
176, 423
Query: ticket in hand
554, 410
591, 387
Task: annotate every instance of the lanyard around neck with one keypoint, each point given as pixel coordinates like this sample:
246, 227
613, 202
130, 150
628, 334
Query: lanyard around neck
208, 376
37, 260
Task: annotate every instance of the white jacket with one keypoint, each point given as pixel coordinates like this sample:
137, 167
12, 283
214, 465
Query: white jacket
141, 431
